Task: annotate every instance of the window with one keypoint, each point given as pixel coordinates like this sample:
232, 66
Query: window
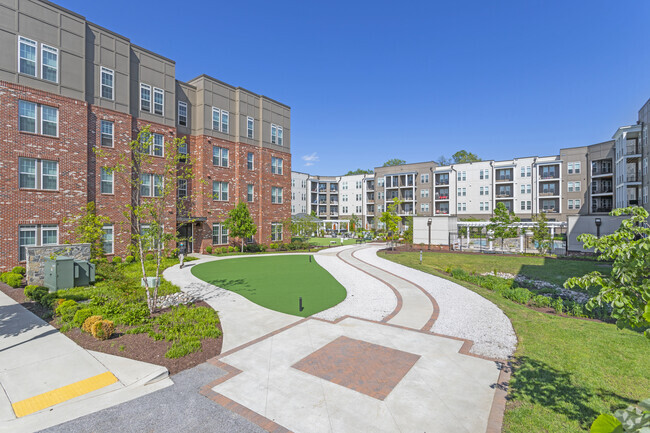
276, 134
107, 77
344, 186
358, 184
182, 113
462, 207
157, 185
276, 231
645, 166
480, 191
158, 101
424, 193
182, 188
182, 151
219, 156
344, 197
106, 133
380, 181
424, 207
220, 120
106, 181
576, 169
528, 189
576, 204
35, 235
151, 185
145, 97
107, 239
484, 174
224, 121
523, 205
216, 119
344, 209
462, 192
27, 56
38, 174
276, 195
358, 197
49, 121
523, 188
570, 204
276, 165
49, 63
27, 116
249, 194
249, 160
219, 234
424, 178
462, 175
145, 185
576, 186
158, 145
570, 187
220, 191
250, 127
49, 124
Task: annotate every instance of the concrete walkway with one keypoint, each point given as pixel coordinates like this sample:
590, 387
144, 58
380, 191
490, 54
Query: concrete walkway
47, 379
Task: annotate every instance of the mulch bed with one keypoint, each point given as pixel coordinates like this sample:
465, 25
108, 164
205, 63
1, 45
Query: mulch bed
134, 346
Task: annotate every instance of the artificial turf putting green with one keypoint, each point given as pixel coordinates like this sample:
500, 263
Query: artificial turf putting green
276, 282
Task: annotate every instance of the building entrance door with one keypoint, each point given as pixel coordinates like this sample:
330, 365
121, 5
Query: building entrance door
185, 234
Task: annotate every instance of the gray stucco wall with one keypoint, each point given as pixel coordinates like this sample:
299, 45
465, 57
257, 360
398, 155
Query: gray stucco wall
36, 257
440, 229
578, 224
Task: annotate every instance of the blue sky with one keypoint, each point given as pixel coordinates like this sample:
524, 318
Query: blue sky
370, 81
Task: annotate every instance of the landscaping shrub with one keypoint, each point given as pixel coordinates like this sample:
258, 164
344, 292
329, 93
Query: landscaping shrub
117, 260
519, 295
67, 310
13, 280
148, 257
252, 248
129, 259
262, 247
557, 305
231, 249
540, 301
89, 322
102, 329
224, 250
48, 299
132, 314
208, 249
81, 315
18, 270
35, 292
273, 246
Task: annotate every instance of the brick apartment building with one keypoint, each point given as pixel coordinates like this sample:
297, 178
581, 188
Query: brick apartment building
68, 86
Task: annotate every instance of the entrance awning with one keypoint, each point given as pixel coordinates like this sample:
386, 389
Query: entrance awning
191, 219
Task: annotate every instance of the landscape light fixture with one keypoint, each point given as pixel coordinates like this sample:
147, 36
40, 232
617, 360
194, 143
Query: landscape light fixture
429, 221
598, 222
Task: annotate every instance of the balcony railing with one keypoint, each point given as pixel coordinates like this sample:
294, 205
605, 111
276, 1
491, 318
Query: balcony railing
598, 171
596, 190
442, 211
442, 196
503, 178
442, 182
633, 177
547, 193
632, 149
546, 176
504, 195
601, 209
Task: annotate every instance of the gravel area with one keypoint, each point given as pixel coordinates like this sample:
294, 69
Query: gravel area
463, 313
177, 408
571, 295
367, 297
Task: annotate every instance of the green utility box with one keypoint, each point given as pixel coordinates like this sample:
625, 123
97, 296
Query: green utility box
59, 273
66, 272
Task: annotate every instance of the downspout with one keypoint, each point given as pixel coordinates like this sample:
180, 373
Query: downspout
456, 194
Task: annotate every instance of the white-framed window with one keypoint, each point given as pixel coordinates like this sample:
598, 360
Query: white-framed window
158, 145
523, 188
424, 193
145, 97
576, 169
182, 151
250, 159
220, 156
151, 185
276, 231
26, 56
220, 191
38, 174
28, 122
182, 113
480, 191
276, 195
107, 83
424, 178
250, 127
250, 193
344, 186
424, 207
27, 116
576, 186
158, 101
107, 239
49, 63
157, 185
107, 133
293, 182
216, 119
528, 188
36, 235
358, 197
358, 208
182, 188
528, 171
344, 209
49, 121
276, 165
462, 207
570, 204
225, 119
344, 198
462, 192
380, 181
462, 175
645, 166
484, 174
276, 134
576, 204
219, 234
529, 205
523, 205
106, 180
480, 206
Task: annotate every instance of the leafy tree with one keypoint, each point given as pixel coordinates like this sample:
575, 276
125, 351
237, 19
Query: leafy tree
148, 215
393, 162
358, 171
627, 288
390, 218
541, 234
240, 223
443, 160
408, 233
89, 229
500, 223
631, 420
355, 222
464, 156
302, 226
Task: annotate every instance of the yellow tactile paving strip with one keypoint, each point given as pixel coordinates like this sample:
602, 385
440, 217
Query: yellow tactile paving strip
59, 395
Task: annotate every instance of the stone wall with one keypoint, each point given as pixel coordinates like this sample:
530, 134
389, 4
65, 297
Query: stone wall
37, 256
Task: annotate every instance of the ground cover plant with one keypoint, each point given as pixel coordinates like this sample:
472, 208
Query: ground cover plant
566, 371
326, 242
276, 282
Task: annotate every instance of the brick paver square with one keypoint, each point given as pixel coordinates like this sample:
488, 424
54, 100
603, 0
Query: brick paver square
368, 368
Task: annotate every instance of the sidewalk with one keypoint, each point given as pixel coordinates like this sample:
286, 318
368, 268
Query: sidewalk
47, 379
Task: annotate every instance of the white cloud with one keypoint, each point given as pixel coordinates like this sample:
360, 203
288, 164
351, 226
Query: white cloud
310, 159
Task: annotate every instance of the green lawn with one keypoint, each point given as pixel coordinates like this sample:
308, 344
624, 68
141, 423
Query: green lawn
567, 370
276, 282
325, 242
540, 268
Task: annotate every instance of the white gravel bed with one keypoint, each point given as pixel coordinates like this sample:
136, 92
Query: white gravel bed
463, 313
367, 297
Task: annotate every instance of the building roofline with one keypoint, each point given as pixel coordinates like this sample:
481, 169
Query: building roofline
183, 83
238, 88
152, 53
61, 8
102, 28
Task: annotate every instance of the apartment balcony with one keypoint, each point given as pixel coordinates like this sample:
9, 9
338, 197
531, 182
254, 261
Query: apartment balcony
442, 182
334, 202
602, 171
503, 179
370, 186
601, 190
632, 149
552, 193
442, 196
442, 211
549, 176
334, 188
633, 177
601, 209
407, 197
504, 195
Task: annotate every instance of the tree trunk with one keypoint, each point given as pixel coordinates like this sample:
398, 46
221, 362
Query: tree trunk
242, 245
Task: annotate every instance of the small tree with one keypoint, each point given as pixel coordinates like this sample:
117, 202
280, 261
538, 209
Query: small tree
463, 156
302, 226
89, 229
541, 234
355, 221
501, 223
358, 171
240, 223
393, 162
627, 288
390, 218
408, 233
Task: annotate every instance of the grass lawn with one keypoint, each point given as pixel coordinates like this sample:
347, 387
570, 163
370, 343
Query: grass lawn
276, 282
325, 242
540, 268
567, 370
